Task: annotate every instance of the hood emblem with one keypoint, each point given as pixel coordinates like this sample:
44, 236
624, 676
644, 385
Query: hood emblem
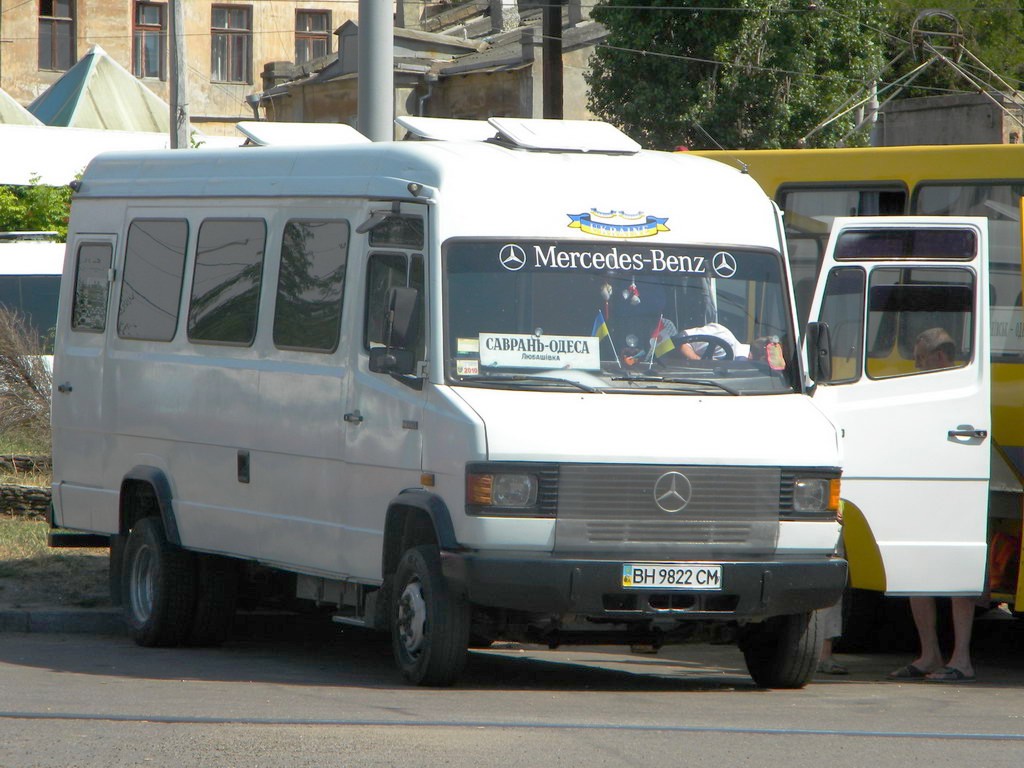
672, 492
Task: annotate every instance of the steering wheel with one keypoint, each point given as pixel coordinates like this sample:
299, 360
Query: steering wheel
713, 343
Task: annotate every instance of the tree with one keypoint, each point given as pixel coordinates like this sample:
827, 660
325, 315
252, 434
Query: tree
36, 207
749, 73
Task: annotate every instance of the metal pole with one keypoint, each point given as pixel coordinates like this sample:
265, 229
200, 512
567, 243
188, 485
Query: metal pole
180, 126
551, 52
376, 91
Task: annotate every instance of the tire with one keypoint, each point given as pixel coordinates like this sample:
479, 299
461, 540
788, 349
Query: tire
429, 624
783, 651
216, 601
159, 586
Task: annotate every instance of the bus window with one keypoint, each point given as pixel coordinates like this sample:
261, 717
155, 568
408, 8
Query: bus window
33, 298
809, 212
905, 302
1000, 204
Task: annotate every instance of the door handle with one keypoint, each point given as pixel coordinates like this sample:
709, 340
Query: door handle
64, 388
354, 418
965, 430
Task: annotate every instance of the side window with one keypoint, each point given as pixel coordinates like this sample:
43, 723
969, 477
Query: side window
1000, 203
154, 267
310, 286
919, 319
226, 285
842, 308
92, 287
386, 271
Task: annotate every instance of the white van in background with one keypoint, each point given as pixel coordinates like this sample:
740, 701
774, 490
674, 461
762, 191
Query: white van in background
30, 267
442, 385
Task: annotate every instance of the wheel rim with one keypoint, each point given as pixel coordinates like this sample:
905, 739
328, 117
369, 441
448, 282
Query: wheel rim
140, 584
412, 618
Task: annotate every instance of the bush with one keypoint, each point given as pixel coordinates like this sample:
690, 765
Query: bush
36, 207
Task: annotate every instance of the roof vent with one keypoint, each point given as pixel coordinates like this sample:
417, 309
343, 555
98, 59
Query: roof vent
446, 129
564, 135
272, 134
524, 133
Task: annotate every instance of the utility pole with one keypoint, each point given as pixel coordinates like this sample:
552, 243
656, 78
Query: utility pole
551, 60
180, 127
376, 89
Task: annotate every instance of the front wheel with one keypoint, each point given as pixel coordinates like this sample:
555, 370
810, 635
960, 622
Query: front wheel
159, 586
429, 623
783, 651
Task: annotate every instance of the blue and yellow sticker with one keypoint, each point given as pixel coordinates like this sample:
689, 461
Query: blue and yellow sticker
617, 224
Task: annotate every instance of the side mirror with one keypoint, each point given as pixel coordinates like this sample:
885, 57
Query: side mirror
401, 323
401, 362
398, 355
819, 352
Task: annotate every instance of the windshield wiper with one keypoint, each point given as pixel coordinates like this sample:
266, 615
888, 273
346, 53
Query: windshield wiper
672, 380
494, 376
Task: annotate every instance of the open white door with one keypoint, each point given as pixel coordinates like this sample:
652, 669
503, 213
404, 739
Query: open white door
906, 303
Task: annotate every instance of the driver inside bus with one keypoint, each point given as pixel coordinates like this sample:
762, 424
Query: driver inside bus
697, 349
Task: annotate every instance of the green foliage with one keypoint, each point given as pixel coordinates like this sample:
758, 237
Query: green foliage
36, 207
752, 73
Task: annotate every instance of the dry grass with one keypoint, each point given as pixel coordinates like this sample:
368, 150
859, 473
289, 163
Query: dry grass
32, 575
25, 379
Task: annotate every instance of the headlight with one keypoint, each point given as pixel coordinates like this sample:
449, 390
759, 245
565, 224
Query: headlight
515, 491
507, 489
815, 495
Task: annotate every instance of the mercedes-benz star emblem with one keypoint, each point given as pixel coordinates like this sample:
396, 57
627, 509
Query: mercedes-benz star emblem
724, 264
512, 257
672, 492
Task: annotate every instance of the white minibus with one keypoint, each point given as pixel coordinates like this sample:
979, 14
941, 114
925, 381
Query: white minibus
527, 383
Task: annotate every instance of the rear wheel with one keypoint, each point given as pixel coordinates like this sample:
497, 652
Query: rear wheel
429, 624
783, 651
159, 586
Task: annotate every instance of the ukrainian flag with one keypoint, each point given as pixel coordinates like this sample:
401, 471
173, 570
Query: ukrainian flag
661, 339
600, 326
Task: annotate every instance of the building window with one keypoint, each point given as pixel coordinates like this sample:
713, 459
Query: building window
312, 35
231, 47
56, 34
149, 40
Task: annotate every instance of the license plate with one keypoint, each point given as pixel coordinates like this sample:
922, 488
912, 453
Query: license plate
684, 576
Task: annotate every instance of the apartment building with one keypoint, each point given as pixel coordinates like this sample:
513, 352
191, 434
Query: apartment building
227, 44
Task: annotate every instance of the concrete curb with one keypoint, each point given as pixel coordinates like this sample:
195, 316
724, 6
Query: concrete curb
57, 620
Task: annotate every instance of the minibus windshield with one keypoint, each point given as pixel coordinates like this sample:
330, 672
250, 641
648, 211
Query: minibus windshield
622, 316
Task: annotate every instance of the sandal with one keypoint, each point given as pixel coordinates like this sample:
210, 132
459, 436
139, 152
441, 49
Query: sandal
908, 672
832, 667
950, 675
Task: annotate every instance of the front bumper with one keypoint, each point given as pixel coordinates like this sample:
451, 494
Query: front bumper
592, 587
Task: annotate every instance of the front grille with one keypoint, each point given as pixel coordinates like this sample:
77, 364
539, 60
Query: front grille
677, 510
595, 491
683, 531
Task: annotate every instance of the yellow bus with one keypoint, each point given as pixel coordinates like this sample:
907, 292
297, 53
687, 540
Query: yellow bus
814, 186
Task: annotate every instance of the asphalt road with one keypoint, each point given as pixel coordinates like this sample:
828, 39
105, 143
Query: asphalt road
331, 696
